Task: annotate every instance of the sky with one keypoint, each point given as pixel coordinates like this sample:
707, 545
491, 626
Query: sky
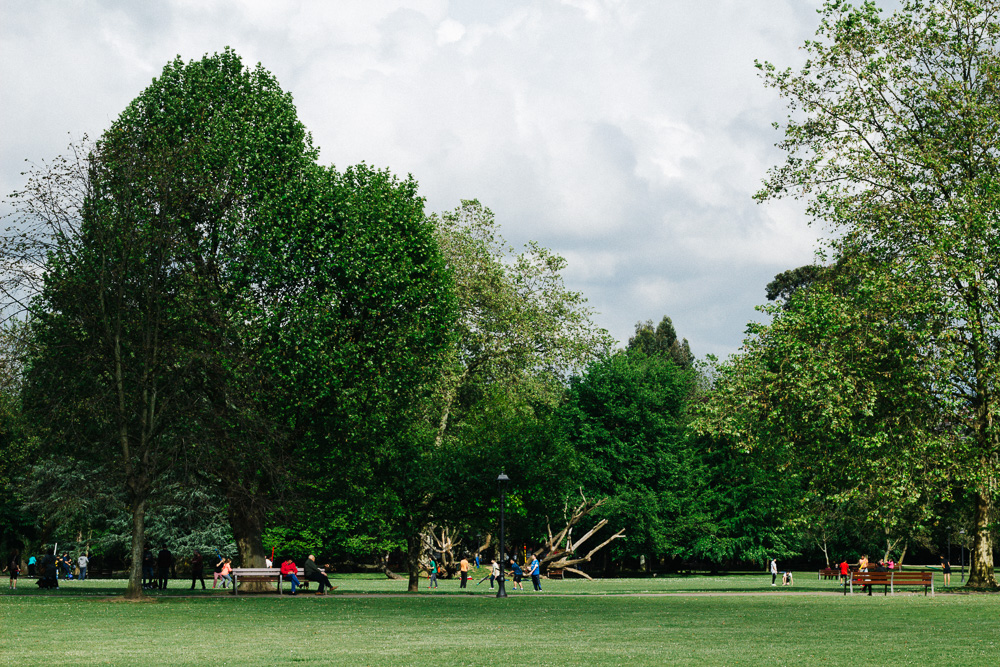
626, 135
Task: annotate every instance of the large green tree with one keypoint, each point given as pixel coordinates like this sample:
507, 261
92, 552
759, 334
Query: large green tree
226, 164
357, 350
306, 307
836, 392
111, 331
893, 138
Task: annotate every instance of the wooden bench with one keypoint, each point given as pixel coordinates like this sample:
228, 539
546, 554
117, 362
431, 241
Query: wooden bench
889, 580
828, 573
269, 574
554, 574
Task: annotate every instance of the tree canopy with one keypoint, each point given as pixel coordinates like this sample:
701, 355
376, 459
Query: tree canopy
892, 138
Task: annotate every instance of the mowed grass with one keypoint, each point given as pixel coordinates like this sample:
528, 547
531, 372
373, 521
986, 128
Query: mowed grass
709, 621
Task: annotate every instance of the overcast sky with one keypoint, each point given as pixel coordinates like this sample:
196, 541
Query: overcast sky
626, 135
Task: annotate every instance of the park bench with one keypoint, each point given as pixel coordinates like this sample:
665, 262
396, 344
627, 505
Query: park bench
269, 574
554, 574
889, 580
828, 573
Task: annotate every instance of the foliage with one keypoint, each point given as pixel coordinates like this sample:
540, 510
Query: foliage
787, 283
661, 340
676, 494
892, 139
517, 333
835, 390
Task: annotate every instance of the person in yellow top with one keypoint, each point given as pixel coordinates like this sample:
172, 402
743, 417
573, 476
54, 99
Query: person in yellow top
863, 567
464, 567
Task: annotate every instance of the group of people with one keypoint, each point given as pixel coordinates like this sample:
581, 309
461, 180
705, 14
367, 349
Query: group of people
222, 572
47, 569
786, 577
310, 572
436, 570
865, 565
156, 569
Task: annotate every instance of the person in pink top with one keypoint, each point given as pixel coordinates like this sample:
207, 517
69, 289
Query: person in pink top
227, 567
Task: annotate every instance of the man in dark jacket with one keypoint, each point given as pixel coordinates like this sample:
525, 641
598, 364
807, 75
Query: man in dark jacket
163, 562
148, 567
47, 576
313, 573
198, 569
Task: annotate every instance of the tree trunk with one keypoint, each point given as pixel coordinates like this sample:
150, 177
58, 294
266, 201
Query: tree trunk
384, 564
134, 590
414, 548
246, 517
981, 573
825, 549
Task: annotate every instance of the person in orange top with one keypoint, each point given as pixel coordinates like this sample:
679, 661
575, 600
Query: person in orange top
289, 572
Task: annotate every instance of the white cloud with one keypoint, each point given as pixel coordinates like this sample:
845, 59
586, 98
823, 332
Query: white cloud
449, 31
627, 135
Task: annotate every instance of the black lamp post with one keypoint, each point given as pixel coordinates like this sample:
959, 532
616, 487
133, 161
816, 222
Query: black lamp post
962, 533
502, 482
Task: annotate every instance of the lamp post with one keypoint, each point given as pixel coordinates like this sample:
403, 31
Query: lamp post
962, 533
502, 482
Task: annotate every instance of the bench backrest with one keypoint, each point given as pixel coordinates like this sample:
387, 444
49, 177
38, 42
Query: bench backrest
264, 571
895, 577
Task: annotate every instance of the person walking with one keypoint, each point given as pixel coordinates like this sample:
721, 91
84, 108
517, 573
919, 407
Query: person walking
434, 575
13, 567
312, 572
518, 575
32, 565
946, 570
66, 566
463, 566
197, 569
494, 572
774, 571
536, 574
81, 563
217, 571
845, 571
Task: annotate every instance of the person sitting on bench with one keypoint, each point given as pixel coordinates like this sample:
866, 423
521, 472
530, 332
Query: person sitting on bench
312, 572
289, 572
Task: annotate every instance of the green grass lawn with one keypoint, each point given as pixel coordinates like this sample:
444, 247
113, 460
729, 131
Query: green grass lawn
571, 623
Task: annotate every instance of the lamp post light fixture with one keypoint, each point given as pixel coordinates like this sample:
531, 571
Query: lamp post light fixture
502, 482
